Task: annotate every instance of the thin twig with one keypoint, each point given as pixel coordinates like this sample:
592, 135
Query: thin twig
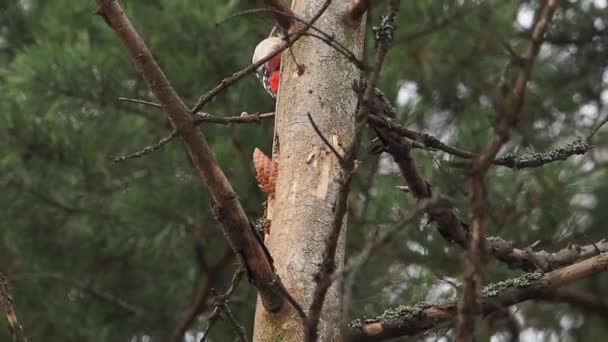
597, 127
200, 118
147, 150
221, 304
372, 246
147, 103
240, 330
324, 139
329, 40
244, 118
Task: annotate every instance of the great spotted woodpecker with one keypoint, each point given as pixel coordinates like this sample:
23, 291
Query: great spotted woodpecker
269, 73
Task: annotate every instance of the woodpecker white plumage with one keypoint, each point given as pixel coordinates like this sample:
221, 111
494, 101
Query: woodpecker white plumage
269, 73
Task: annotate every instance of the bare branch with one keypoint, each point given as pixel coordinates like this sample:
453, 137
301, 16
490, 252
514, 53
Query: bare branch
508, 112
200, 118
227, 207
147, 150
138, 101
229, 120
412, 320
597, 127
513, 100
221, 307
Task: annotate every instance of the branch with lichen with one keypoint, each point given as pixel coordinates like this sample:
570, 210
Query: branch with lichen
415, 319
455, 230
579, 146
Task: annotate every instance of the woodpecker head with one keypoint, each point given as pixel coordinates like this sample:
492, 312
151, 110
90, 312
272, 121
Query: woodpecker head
269, 72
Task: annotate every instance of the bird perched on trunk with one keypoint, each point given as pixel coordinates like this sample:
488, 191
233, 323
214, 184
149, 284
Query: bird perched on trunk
269, 73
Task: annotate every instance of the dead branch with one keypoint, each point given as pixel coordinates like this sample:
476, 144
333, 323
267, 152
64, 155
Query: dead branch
221, 308
597, 127
508, 113
244, 118
146, 150
227, 208
200, 118
412, 320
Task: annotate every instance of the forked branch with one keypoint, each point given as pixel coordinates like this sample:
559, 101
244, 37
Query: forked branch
227, 207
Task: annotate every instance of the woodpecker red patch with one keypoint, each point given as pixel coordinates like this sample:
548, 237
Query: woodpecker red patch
275, 79
269, 75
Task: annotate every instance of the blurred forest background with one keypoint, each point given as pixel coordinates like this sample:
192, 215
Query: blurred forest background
99, 251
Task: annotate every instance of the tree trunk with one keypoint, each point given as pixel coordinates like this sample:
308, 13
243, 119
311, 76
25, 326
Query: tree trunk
309, 172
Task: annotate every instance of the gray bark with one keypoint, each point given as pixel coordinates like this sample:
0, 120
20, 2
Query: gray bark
308, 177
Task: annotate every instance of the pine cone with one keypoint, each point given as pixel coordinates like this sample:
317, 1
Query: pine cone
266, 171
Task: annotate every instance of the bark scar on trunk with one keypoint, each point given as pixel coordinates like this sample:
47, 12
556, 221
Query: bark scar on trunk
326, 161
